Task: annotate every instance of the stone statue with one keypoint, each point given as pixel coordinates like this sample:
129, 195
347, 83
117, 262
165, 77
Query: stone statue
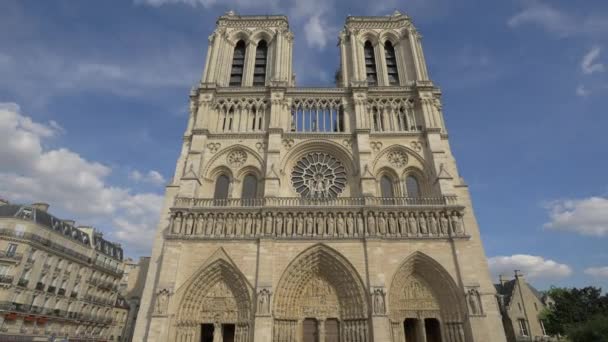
264, 302
209, 225
379, 307
248, 225
200, 224
433, 224
457, 224
340, 225
320, 225
268, 229
230, 225
411, 220
177, 224
474, 302
279, 225
444, 224
310, 225
258, 224
350, 225
219, 226
162, 299
422, 223
371, 224
381, 224
360, 225
289, 224
330, 225
402, 224
392, 224
299, 224
239, 225
189, 225
217, 332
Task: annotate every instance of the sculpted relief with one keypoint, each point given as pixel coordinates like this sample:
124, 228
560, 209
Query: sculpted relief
219, 304
414, 295
319, 299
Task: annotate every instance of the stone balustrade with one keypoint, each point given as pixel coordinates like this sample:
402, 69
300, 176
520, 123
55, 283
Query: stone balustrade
332, 218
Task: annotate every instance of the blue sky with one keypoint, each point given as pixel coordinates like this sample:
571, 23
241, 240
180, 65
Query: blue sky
94, 102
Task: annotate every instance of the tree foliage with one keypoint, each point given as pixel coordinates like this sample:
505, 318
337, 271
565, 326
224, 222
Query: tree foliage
594, 330
575, 311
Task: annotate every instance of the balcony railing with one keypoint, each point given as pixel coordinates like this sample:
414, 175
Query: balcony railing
39, 286
23, 282
10, 255
61, 292
191, 203
6, 279
51, 289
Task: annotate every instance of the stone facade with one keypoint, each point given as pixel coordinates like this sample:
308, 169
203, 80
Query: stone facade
132, 288
521, 306
317, 214
56, 279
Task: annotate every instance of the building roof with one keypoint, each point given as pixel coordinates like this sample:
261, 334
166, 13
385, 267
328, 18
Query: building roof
506, 290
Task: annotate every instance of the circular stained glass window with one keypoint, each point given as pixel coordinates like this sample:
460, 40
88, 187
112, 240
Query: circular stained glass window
318, 175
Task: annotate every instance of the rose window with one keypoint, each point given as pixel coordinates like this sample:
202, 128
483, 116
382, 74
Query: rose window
318, 175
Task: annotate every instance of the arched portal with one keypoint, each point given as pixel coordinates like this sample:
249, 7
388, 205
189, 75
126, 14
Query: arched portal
216, 303
425, 303
320, 287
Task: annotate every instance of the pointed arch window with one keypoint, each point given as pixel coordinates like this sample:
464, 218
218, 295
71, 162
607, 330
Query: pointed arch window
391, 63
250, 189
412, 186
221, 188
370, 64
386, 187
238, 64
261, 57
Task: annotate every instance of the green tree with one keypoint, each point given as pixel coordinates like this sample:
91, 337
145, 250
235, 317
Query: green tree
593, 330
573, 308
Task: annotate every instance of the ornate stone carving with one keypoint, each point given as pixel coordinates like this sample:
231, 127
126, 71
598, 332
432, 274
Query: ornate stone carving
318, 175
260, 146
264, 302
397, 158
378, 301
474, 302
376, 146
288, 143
236, 158
162, 302
214, 147
319, 299
416, 146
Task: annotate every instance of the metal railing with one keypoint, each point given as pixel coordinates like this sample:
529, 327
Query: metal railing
10, 255
6, 279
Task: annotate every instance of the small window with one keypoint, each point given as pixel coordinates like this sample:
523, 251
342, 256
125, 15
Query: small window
238, 63
259, 72
250, 187
519, 306
221, 187
391, 63
535, 307
370, 64
523, 327
11, 250
412, 186
386, 187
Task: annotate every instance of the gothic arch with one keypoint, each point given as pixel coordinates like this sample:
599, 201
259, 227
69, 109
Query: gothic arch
211, 164
324, 146
422, 288
320, 283
217, 293
422, 164
240, 34
389, 35
261, 34
370, 35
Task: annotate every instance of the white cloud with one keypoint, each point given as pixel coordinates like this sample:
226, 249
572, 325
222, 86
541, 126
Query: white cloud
153, 177
558, 22
70, 183
588, 216
589, 64
598, 272
582, 91
534, 267
316, 32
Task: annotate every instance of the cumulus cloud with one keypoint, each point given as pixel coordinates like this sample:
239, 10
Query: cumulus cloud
534, 267
315, 32
588, 216
153, 177
582, 91
598, 272
72, 184
589, 64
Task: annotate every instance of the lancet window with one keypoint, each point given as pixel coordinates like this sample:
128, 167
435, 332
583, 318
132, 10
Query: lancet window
261, 57
326, 116
412, 186
370, 64
238, 64
393, 115
391, 63
242, 115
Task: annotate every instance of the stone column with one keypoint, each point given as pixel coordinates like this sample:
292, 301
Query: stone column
355, 57
344, 61
421, 332
322, 330
381, 65
414, 50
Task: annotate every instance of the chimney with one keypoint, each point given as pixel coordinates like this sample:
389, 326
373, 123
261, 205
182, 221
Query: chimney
70, 222
518, 274
41, 206
3, 201
502, 280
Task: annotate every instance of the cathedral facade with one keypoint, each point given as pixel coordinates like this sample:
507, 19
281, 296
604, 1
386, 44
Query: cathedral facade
317, 214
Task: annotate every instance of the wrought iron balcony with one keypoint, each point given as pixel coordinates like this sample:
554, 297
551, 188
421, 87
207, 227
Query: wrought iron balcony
23, 282
10, 255
40, 286
6, 279
61, 292
51, 289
